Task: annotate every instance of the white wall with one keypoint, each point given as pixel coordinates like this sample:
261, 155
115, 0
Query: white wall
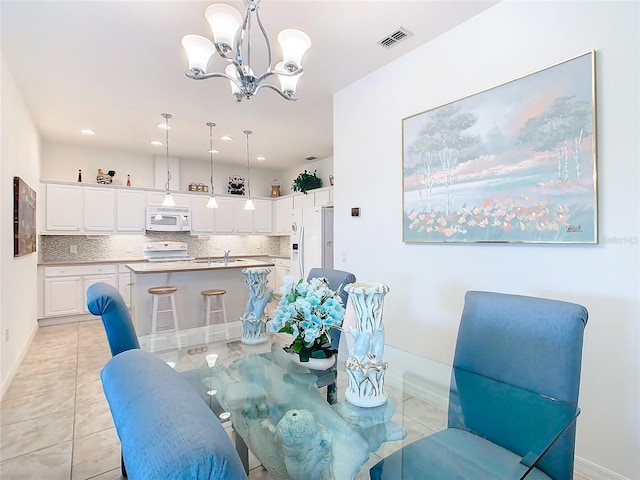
428, 281
62, 161
18, 276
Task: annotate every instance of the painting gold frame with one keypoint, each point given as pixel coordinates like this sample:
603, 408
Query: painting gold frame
515, 163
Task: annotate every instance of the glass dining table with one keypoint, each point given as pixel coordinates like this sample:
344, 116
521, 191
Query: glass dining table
280, 414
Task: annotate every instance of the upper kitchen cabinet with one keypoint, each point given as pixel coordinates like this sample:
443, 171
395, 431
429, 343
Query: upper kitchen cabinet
63, 208
323, 197
99, 214
284, 215
243, 218
263, 216
202, 218
224, 215
130, 210
303, 200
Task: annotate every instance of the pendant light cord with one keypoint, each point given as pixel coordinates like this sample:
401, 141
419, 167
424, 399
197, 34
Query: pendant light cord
247, 133
167, 116
211, 125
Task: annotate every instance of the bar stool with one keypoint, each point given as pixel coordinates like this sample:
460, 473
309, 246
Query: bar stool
157, 293
217, 295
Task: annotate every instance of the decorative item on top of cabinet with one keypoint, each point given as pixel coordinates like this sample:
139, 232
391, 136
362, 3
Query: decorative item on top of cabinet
331, 180
306, 181
275, 187
105, 178
236, 185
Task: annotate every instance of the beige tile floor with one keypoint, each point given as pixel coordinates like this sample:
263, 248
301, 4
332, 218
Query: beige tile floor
55, 423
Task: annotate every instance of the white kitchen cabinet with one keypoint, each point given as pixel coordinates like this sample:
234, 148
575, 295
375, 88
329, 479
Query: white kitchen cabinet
202, 218
283, 215
124, 285
323, 197
99, 214
303, 201
263, 216
63, 296
63, 208
65, 287
243, 219
130, 210
224, 215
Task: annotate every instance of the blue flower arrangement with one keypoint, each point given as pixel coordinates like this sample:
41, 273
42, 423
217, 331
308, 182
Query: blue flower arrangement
308, 311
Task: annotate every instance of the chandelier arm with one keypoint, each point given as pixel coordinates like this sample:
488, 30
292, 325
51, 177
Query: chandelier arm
270, 72
204, 76
275, 89
266, 38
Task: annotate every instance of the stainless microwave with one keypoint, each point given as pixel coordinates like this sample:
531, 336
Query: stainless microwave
168, 219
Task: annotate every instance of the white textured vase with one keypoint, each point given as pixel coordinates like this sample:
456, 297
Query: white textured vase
313, 363
254, 320
364, 366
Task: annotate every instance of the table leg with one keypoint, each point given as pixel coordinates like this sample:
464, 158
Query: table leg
243, 451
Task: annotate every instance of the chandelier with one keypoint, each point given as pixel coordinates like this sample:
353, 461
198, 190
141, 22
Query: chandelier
232, 41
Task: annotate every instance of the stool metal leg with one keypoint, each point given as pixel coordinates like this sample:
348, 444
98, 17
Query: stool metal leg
174, 311
154, 314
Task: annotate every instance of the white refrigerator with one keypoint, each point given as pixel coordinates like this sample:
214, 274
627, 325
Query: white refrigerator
312, 242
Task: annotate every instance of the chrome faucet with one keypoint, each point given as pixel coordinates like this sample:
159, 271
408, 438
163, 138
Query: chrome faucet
226, 256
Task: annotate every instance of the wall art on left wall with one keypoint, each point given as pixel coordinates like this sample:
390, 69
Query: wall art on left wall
24, 218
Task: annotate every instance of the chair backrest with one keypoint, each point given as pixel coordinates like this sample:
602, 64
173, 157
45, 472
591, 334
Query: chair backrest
337, 281
106, 301
532, 343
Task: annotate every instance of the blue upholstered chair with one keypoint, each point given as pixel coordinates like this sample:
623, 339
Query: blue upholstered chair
337, 281
529, 343
105, 301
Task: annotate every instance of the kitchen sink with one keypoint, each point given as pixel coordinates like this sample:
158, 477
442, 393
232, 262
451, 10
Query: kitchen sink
218, 260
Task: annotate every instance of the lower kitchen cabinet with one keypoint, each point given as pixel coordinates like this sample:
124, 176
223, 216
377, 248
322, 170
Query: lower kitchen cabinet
283, 268
65, 287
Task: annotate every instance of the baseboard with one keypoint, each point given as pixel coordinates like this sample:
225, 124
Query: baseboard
591, 471
6, 383
49, 321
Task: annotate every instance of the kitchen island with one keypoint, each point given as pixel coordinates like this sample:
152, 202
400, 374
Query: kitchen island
191, 277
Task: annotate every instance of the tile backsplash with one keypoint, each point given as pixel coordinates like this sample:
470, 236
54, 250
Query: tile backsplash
58, 248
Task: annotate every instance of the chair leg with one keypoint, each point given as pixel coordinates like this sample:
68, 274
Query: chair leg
123, 470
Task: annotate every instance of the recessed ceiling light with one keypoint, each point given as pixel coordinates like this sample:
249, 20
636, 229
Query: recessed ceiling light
156, 142
164, 126
261, 158
86, 131
213, 150
226, 138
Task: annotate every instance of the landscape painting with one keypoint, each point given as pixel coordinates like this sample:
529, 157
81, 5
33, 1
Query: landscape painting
515, 163
24, 218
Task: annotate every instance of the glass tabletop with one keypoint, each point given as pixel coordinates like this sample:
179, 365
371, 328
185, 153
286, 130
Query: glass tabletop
283, 417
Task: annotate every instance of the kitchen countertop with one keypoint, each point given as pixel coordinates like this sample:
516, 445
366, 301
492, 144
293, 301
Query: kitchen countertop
142, 260
194, 266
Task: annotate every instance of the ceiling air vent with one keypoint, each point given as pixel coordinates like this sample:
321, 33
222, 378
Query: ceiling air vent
310, 158
397, 36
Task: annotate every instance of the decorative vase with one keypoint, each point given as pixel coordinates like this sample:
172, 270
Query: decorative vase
313, 363
364, 366
254, 321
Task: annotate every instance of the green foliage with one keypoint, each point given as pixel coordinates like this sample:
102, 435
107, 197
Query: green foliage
306, 181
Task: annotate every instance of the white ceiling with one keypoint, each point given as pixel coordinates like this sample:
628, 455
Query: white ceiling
115, 66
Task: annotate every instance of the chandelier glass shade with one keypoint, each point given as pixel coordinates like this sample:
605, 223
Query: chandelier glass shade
211, 203
168, 200
232, 41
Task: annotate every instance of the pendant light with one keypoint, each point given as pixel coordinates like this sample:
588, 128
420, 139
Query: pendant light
212, 203
168, 200
249, 205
